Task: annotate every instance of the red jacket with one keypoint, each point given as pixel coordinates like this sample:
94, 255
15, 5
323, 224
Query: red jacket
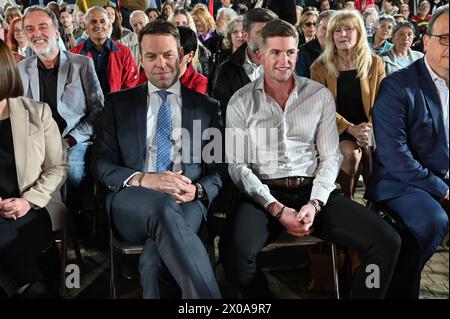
190, 79
122, 70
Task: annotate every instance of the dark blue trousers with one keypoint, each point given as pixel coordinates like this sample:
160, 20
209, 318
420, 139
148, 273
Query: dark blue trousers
426, 224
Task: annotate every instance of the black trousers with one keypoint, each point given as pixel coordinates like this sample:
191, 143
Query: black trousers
21, 243
341, 221
168, 232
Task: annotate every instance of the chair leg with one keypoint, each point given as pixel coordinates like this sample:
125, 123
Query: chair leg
62, 283
112, 277
335, 271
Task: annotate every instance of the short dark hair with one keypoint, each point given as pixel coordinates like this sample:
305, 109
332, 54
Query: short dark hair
159, 27
188, 39
46, 10
404, 24
10, 82
441, 10
277, 28
257, 15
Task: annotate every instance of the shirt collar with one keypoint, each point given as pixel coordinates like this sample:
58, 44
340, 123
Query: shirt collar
259, 85
174, 89
434, 76
109, 45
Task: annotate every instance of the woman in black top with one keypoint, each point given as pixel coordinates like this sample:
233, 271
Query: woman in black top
353, 74
32, 168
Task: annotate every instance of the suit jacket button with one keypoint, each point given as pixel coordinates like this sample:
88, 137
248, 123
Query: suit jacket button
444, 171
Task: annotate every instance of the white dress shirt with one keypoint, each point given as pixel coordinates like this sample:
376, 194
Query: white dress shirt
304, 139
442, 90
252, 70
154, 103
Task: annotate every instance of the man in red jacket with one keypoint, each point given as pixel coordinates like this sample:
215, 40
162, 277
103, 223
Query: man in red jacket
114, 64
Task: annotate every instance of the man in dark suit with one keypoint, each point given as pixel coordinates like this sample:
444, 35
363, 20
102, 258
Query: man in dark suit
411, 170
285, 9
160, 185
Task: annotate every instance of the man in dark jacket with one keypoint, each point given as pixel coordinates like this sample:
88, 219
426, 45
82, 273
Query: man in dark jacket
242, 67
310, 51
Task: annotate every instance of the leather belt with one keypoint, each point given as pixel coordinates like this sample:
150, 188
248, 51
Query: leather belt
289, 182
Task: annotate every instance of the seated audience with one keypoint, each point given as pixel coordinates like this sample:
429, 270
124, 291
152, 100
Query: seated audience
401, 55
411, 169
353, 74
33, 167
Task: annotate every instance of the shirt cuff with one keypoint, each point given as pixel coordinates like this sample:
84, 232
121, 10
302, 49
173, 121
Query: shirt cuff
125, 184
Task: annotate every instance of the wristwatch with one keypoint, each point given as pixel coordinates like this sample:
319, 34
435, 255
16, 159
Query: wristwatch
199, 191
317, 205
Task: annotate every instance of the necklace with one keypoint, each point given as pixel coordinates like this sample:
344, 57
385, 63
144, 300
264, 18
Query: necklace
345, 64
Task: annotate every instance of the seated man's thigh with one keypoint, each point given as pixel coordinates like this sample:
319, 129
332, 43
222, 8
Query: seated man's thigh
423, 215
132, 207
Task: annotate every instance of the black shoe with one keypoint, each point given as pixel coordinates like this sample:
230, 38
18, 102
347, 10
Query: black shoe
37, 290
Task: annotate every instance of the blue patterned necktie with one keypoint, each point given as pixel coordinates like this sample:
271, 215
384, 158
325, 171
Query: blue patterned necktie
163, 135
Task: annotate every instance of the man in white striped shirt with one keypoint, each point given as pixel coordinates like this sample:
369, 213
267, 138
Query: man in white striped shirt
288, 183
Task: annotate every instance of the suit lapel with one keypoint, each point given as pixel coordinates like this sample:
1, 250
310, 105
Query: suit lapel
432, 101
187, 117
20, 129
33, 76
140, 114
63, 72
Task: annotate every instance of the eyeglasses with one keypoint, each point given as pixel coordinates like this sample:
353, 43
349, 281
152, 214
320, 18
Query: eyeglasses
310, 24
17, 31
443, 38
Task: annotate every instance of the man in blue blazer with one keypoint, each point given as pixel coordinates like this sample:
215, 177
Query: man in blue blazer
161, 186
411, 169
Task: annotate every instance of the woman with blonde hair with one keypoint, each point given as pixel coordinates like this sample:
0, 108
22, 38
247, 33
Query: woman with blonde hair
353, 75
204, 23
200, 62
307, 26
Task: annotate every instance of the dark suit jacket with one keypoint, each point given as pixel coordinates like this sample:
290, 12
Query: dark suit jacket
284, 8
120, 145
409, 132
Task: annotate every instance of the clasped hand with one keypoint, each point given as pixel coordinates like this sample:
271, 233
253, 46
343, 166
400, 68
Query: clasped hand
361, 133
172, 183
298, 223
13, 208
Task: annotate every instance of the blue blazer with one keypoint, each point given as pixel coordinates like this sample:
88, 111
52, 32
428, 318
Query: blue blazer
120, 144
412, 151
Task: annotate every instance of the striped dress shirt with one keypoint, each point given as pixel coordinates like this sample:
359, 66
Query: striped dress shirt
301, 141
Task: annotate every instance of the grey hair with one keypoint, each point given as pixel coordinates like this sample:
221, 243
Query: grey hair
102, 10
228, 13
384, 17
328, 14
45, 10
440, 11
135, 12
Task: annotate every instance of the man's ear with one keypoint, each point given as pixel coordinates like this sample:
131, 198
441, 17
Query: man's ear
190, 56
426, 40
180, 53
245, 36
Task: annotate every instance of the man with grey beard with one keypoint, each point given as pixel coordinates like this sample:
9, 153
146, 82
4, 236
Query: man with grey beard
242, 67
68, 84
